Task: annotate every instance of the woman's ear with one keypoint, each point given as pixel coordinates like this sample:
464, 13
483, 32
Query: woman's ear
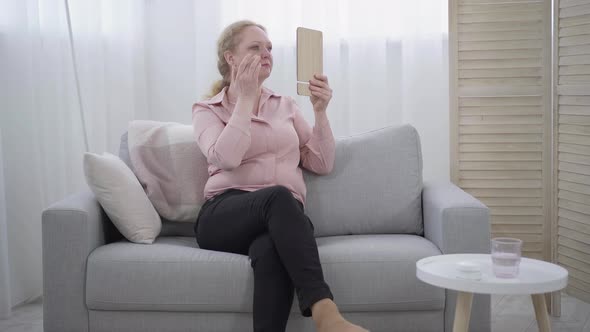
229, 58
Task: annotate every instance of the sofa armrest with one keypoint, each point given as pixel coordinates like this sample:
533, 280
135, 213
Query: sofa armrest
457, 222
454, 220
71, 229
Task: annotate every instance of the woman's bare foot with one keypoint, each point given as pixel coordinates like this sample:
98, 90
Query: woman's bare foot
327, 318
341, 326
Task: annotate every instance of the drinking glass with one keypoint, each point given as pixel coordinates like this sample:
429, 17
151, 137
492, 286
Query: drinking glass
506, 253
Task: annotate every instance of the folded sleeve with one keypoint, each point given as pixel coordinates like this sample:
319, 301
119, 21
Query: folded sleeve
223, 145
317, 145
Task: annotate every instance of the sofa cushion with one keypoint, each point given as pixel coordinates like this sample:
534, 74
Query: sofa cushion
169, 227
124, 150
374, 188
166, 159
365, 273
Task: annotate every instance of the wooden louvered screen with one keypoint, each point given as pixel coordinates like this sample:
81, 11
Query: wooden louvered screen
572, 135
500, 84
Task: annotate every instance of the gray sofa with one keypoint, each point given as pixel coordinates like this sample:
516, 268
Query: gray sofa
373, 218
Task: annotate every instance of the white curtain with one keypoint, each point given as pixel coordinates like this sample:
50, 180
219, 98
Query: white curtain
140, 59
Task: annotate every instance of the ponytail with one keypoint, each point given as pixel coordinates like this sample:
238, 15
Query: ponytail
216, 88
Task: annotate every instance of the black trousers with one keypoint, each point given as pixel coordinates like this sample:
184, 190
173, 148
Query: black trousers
270, 226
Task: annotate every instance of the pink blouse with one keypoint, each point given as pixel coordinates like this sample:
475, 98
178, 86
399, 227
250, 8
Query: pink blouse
250, 153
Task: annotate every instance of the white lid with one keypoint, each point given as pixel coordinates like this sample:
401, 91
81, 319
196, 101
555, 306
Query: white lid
466, 266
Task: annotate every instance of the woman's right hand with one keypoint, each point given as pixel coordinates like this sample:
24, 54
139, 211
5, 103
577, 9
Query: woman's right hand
245, 77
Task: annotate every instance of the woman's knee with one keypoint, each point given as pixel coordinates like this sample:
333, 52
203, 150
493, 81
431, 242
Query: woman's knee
281, 194
281, 207
280, 190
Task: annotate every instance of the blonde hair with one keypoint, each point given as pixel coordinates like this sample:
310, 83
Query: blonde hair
228, 40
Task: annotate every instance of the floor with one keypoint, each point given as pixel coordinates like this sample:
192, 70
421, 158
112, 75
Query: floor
515, 313
510, 313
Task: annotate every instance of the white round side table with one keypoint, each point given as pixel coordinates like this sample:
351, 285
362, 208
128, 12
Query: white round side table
535, 277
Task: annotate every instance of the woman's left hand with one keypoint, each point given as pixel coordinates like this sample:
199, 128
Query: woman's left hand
320, 92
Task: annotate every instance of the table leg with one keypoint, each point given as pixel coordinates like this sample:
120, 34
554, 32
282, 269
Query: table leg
541, 312
462, 312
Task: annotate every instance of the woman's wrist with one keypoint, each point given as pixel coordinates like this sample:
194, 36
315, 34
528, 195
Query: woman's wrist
243, 107
321, 118
246, 99
319, 109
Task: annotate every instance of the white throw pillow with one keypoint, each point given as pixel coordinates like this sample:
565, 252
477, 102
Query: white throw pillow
120, 194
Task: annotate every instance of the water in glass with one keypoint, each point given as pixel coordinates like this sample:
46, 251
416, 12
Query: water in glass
506, 254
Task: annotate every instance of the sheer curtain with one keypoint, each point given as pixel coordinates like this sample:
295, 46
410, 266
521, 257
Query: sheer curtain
140, 59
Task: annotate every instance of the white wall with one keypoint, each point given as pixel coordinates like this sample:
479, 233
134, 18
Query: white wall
5, 297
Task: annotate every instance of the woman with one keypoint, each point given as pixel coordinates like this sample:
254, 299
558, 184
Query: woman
254, 141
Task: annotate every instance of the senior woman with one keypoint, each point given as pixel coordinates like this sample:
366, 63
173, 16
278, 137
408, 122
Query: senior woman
255, 142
